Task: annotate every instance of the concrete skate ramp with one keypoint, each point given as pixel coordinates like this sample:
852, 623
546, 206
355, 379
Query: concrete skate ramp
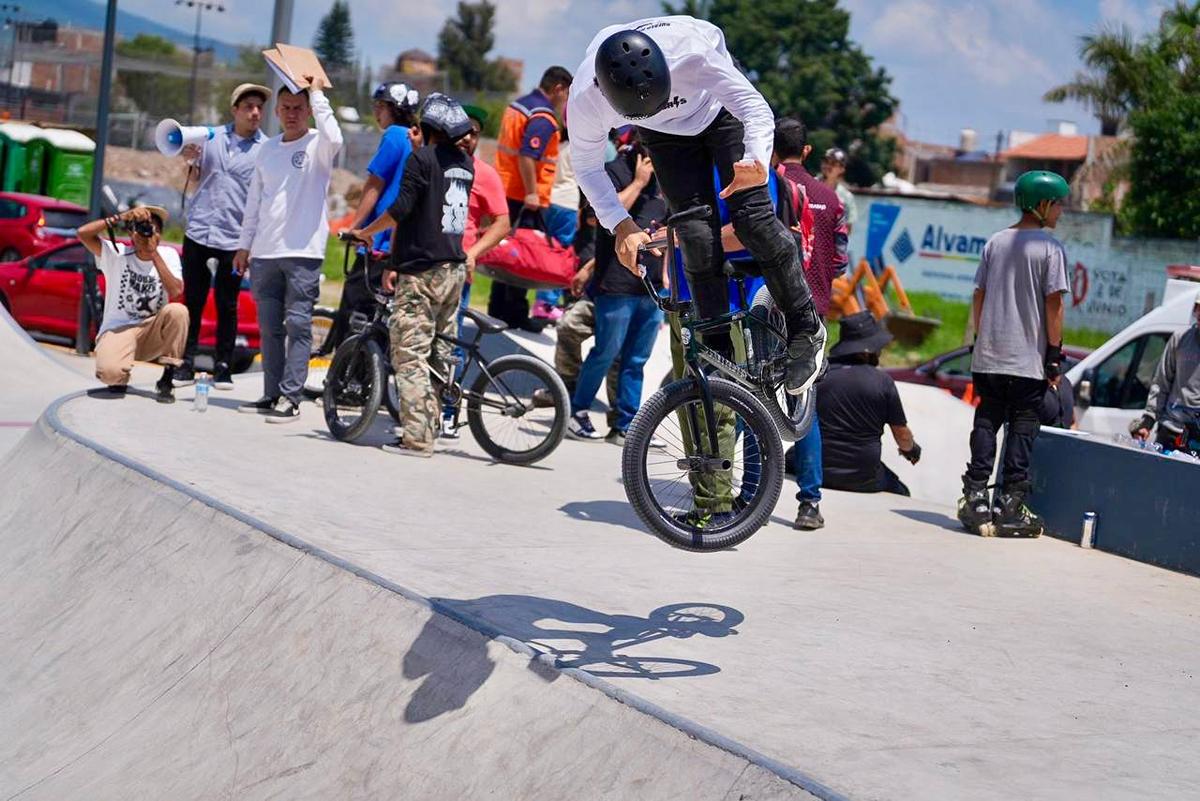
156, 646
32, 381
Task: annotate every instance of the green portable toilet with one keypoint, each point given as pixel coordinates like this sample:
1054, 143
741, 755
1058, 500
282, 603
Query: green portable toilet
14, 141
70, 159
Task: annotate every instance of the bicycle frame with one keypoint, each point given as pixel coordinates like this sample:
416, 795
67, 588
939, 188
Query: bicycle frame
696, 354
360, 325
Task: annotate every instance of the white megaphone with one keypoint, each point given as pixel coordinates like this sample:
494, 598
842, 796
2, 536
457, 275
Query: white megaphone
170, 137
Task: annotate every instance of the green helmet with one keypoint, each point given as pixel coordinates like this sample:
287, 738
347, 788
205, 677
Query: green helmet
1037, 185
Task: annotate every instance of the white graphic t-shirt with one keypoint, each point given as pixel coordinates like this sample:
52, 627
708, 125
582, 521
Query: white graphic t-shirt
133, 292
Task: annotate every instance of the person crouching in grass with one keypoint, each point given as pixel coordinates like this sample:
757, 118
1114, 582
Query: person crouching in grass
428, 267
140, 321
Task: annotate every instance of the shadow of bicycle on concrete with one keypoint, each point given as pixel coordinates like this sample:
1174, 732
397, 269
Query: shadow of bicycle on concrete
604, 645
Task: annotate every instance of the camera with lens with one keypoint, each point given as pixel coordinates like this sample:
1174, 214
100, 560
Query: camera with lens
141, 227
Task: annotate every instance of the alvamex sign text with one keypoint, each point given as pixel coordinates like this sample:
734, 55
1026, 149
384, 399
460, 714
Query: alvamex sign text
938, 244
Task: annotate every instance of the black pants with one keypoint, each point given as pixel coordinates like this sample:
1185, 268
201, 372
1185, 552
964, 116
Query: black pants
196, 282
683, 166
1009, 400
506, 302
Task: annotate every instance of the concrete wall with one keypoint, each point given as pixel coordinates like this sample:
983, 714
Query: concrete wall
1146, 505
935, 245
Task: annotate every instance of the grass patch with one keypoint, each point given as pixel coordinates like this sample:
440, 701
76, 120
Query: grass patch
954, 315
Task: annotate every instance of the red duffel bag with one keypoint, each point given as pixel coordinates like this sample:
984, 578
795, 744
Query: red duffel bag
530, 258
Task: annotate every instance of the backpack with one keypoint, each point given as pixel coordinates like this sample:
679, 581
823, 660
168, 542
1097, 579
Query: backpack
796, 213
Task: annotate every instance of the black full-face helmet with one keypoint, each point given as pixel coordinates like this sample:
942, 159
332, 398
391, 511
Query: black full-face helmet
632, 73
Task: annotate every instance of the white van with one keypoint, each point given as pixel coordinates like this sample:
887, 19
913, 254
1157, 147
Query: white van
1113, 381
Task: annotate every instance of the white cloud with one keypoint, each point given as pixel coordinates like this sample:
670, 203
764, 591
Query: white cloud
1138, 15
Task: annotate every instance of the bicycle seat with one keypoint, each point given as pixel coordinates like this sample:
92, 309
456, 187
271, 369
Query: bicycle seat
486, 324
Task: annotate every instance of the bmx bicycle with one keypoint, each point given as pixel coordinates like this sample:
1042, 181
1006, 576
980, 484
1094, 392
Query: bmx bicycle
720, 475
499, 405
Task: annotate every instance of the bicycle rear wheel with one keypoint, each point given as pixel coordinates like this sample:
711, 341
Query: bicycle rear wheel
694, 506
502, 414
354, 388
791, 414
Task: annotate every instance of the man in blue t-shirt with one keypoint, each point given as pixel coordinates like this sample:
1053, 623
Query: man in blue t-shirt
395, 108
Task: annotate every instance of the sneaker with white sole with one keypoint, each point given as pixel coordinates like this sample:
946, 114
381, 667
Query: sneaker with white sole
285, 411
449, 429
579, 427
222, 377
263, 405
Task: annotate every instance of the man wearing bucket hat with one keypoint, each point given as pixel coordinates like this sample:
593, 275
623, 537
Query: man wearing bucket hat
428, 266
1018, 310
221, 169
855, 400
139, 320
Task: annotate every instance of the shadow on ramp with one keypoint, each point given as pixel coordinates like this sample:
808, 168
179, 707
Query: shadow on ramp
575, 636
934, 519
617, 513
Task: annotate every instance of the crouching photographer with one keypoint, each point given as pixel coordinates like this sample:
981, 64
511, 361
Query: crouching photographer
139, 322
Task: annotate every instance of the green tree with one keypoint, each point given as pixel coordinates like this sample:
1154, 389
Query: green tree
334, 41
248, 67
799, 55
150, 89
463, 45
1151, 88
1115, 81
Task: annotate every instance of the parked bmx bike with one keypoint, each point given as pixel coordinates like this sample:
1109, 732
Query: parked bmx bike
499, 400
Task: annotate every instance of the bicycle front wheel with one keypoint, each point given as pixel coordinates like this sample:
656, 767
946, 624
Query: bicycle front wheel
354, 388
517, 409
692, 493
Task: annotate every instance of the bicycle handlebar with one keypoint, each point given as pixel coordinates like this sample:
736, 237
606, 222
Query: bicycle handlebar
702, 212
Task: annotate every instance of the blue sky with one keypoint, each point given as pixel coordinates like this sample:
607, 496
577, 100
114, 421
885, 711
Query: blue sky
982, 64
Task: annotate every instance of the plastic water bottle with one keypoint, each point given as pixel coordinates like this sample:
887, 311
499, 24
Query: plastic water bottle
200, 401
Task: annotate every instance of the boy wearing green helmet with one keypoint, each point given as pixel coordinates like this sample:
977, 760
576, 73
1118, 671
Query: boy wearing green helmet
1018, 307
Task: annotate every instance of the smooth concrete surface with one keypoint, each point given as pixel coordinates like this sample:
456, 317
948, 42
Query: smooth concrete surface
156, 648
32, 380
886, 656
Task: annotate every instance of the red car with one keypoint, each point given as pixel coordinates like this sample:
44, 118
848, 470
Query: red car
42, 294
952, 370
31, 223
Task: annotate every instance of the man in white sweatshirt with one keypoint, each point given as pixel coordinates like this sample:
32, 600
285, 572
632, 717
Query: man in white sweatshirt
284, 231
674, 78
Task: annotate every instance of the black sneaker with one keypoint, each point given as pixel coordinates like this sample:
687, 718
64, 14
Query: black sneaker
808, 517
579, 426
185, 374
806, 358
222, 377
164, 390
286, 411
263, 405
615, 436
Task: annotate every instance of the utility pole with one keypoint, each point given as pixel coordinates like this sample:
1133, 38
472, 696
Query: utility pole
200, 7
84, 330
281, 31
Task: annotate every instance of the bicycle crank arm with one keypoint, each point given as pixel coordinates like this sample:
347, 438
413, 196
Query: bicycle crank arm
704, 464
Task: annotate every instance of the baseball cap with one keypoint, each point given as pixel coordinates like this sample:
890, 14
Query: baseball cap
246, 89
835, 154
476, 113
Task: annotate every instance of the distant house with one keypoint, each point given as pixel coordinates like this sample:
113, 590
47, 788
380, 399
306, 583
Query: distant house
416, 62
1087, 162
515, 67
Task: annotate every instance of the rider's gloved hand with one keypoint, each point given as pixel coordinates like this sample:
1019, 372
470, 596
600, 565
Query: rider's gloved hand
1053, 362
913, 454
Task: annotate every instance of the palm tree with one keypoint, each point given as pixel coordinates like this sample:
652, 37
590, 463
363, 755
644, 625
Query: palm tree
1115, 81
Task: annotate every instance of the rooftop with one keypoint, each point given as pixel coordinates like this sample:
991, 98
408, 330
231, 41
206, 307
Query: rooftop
1051, 146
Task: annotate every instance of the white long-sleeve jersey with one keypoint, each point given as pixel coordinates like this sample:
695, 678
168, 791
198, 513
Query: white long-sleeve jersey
703, 81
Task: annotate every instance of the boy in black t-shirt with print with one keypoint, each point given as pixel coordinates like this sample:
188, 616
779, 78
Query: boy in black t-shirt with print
428, 266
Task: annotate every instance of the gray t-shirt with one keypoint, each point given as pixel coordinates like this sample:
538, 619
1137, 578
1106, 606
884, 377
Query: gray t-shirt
1018, 269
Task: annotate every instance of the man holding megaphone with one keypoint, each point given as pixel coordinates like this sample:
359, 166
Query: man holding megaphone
220, 165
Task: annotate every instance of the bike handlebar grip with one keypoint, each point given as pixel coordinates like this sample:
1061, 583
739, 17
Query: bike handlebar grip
694, 213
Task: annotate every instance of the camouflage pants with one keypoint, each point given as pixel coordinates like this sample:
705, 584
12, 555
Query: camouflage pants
575, 327
426, 305
712, 492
